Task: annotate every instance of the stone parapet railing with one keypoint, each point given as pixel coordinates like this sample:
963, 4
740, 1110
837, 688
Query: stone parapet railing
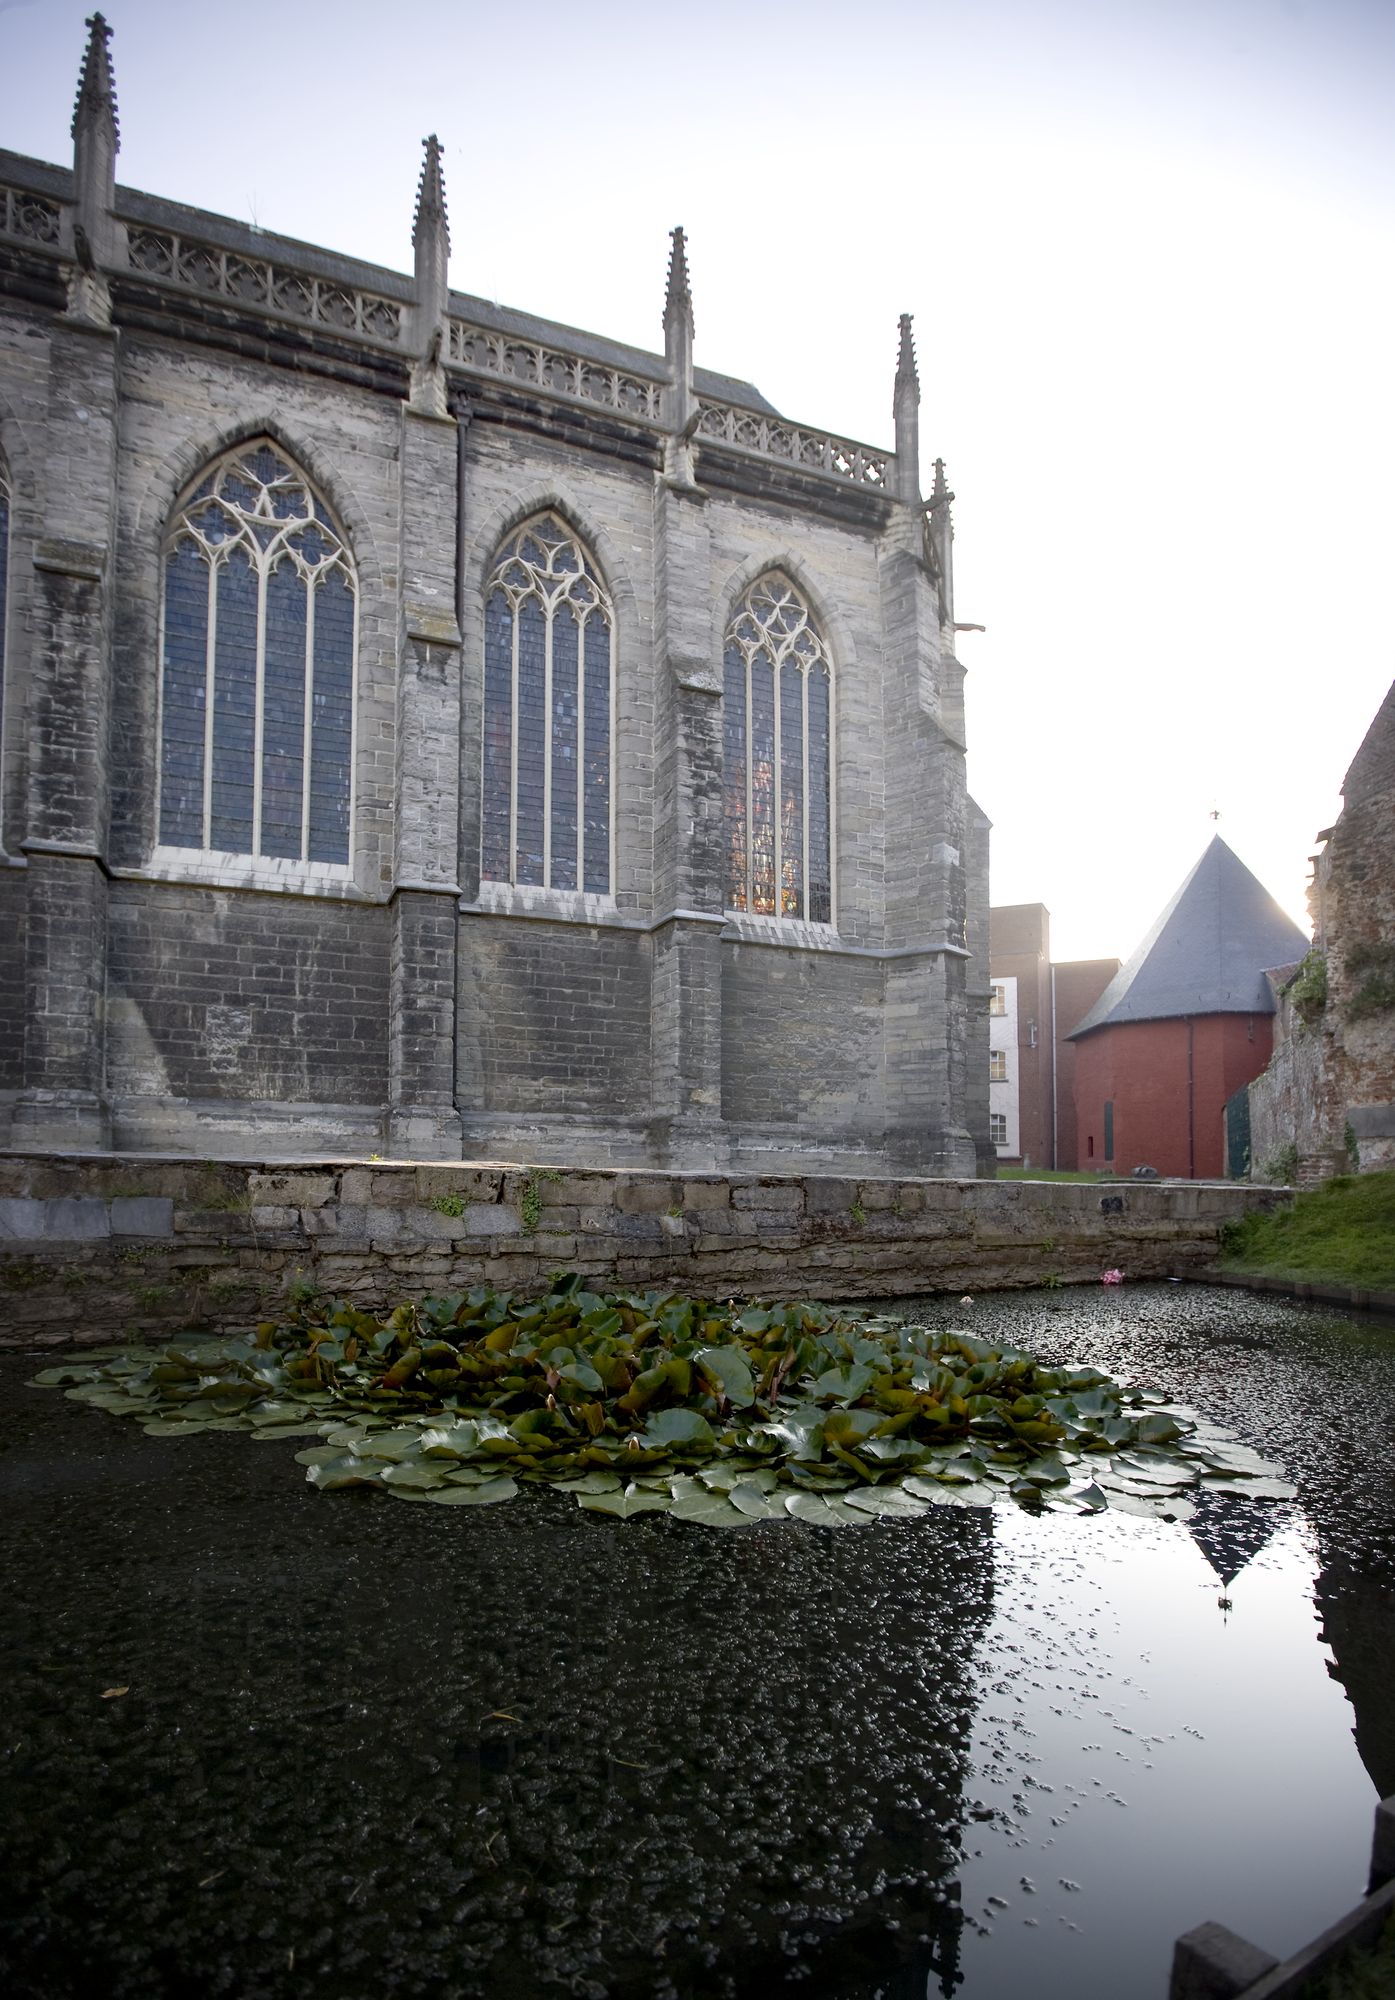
30, 217
91, 1246
265, 284
812, 451
554, 372
295, 285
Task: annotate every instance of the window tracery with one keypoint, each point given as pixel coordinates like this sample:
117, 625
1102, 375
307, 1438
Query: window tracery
777, 755
549, 679
257, 666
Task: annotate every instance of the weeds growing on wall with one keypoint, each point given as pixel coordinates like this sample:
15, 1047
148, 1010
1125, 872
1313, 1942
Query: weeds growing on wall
642, 1402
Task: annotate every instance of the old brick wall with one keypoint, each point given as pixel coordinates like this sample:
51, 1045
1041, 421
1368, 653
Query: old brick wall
1329, 1093
803, 1047
1291, 1105
556, 1018
12, 919
1358, 897
222, 995
136, 1246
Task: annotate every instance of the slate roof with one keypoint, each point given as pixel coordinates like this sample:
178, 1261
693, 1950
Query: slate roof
1206, 954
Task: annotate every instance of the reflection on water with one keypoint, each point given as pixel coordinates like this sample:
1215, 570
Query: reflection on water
1152, 1759
370, 1748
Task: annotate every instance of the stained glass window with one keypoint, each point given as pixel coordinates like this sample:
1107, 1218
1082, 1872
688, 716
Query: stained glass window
257, 666
778, 765
549, 682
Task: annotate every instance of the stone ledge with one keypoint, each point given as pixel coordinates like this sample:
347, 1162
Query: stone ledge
92, 1245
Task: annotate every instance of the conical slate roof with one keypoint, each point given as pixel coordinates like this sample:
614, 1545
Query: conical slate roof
1206, 954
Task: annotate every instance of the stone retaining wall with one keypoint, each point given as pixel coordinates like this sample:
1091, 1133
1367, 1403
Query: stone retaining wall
95, 1246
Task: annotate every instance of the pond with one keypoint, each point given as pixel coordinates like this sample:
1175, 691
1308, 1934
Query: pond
366, 1748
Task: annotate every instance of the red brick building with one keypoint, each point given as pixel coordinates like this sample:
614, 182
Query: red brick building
1076, 986
1187, 1021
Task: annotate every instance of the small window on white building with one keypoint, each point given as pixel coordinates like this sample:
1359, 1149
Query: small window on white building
997, 1128
997, 1066
997, 999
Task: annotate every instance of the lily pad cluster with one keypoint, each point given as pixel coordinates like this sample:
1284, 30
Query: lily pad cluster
648, 1402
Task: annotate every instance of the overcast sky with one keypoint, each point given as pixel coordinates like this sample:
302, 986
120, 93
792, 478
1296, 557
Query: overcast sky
1150, 247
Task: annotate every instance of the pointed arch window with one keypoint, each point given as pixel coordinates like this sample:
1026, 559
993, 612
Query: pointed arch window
549, 706
777, 756
258, 642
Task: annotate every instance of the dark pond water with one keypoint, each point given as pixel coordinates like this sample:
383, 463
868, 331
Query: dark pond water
371, 1748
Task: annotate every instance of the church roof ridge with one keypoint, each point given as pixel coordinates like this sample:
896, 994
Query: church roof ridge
1206, 953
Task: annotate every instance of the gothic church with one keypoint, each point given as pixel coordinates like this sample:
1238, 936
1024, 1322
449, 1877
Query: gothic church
433, 732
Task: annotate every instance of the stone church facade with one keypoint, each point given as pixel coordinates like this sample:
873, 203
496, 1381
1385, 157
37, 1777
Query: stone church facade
433, 732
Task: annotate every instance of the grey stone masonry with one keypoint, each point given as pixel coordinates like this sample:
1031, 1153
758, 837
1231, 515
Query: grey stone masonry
96, 1245
188, 970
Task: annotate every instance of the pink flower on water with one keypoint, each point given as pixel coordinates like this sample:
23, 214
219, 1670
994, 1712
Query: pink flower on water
1111, 1277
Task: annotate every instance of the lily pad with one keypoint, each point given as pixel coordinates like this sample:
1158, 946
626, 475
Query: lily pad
629, 1500
484, 1493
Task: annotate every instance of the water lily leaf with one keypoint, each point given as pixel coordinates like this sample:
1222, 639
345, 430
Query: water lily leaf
711, 1509
405, 1473
450, 1440
1233, 1458
841, 1515
274, 1433
51, 1378
1153, 1471
752, 1501
799, 1431
885, 1500
820, 1511
679, 1427
977, 1494
722, 1477
319, 1454
594, 1481
1045, 1472
1255, 1489
1151, 1508
343, 1471
842, 1385
1089, 1499
728, 1373
630, 1500
483, 1493
391, 1444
